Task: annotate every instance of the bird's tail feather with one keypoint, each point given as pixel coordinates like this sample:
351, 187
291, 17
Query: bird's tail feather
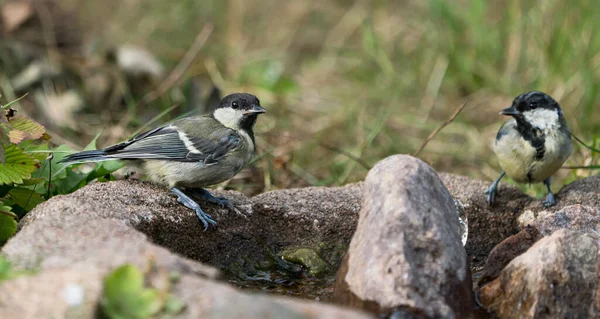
86, 156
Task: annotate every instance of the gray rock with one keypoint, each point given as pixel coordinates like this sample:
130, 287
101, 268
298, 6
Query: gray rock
488, 226
73, 293
576, 217
407, 253
58, 241
513, 211
556, 278
506, 251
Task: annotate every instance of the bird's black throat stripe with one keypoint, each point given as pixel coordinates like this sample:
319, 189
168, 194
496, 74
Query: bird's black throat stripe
532, 135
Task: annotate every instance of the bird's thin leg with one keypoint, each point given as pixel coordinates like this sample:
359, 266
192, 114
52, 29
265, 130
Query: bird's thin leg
491, 191
221, 201
205, 218
550, 199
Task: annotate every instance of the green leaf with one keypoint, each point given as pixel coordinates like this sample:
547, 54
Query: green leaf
125, 296
17, 166
25, 198
92, 144
58, 169
24, 128
173, 305
37, 149
32, 181
8, 272
104, 168
71, 182
6, 269
8, 225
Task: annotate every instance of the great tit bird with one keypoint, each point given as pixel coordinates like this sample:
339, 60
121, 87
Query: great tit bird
532, 145
192, 153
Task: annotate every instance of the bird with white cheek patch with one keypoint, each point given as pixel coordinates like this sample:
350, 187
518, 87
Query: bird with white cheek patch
532, 145
193, 152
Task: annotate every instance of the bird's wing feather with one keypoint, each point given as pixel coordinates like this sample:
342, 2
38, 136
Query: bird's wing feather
171, 143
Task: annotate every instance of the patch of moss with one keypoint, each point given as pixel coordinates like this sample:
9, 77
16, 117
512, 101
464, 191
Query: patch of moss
308, 258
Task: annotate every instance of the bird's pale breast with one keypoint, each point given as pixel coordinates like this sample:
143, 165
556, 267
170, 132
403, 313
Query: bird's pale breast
517, 156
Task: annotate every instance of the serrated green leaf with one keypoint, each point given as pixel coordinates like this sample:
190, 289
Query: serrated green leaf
17, 165
37, 149
24, 128
125, 296
16, 136
8, 227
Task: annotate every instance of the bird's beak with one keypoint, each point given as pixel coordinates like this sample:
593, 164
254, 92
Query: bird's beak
511, 111
256, 109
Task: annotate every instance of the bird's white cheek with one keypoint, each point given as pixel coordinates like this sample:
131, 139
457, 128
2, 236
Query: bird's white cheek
229, 117
543, 119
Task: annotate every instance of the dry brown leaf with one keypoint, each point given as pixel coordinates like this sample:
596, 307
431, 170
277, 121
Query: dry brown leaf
16, 136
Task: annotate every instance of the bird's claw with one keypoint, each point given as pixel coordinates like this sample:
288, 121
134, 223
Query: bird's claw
550, 200
491, 195
205, 218
493, 189
223, 202
226, 203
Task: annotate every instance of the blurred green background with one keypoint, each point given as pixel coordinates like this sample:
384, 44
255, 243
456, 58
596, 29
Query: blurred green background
345, 83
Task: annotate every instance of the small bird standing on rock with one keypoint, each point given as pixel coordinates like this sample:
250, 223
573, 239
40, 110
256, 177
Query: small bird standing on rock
192, 152
534, 144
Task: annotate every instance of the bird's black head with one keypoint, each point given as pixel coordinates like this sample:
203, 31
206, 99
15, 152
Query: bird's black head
239, 111
242, 101
530, 102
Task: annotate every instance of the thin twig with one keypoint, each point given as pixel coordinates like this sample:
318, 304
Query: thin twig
436, 131
585, 145
581, 167
183, 65
154, 119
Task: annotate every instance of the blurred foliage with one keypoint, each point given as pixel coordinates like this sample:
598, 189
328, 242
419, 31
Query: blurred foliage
126, 296
344, 82
7, 270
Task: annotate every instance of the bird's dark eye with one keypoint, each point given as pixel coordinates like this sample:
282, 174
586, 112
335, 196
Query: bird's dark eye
234, 105
533, 105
